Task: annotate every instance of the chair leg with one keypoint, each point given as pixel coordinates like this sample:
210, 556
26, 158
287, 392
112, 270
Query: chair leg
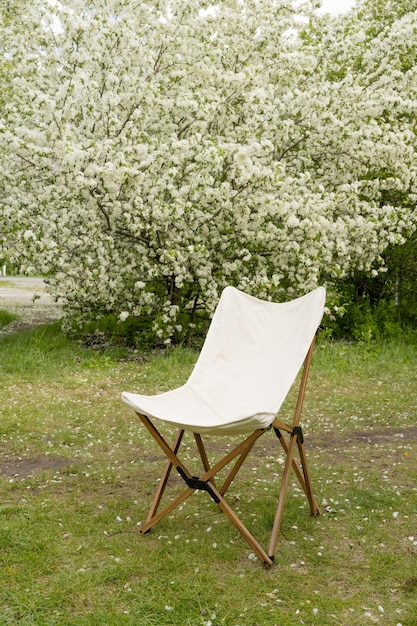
206, 481
281, 499
249, 538
304, 475
300, 441
304, 479
203, 454
236, 468
164, 478
295, 437
314, 508
295, 466
170, 507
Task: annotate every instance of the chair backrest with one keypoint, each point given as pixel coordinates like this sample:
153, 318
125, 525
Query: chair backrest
253, 352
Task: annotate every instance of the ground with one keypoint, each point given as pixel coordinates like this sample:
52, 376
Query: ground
28, 298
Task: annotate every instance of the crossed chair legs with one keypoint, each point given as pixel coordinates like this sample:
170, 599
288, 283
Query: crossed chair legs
207, 481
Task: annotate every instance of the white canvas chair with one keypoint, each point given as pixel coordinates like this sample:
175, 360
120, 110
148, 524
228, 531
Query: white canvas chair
250, 358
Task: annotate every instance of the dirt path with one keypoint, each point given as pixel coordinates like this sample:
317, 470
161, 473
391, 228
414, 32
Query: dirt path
27, 297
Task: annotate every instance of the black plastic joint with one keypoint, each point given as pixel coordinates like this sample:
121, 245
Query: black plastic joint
298, 431
277, 432
194, 482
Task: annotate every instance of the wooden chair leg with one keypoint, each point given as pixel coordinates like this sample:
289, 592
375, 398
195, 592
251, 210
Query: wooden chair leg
296, 436
305, 480
203, 454
249, 538
164, 478
206, 481
295, 466
303, 475
281, 499
314, 508
151, 521
232, 474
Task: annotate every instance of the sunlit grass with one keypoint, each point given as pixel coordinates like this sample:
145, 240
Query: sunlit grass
78, 473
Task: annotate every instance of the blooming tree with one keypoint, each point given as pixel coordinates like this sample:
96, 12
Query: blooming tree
153, 152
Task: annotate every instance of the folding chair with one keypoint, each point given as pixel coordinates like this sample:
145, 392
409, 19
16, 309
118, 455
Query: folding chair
251, 356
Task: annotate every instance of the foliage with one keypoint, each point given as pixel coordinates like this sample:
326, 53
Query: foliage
159, 151
401, 279
378, 307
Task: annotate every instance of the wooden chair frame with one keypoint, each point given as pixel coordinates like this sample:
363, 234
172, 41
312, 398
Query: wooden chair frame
207, 481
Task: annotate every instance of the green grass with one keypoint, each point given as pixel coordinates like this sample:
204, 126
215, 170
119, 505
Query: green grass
6, 317
78, 472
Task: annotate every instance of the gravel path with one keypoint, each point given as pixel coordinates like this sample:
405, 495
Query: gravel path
27, 297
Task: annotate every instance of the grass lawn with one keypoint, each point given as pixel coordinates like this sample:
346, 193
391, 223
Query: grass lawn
77, 473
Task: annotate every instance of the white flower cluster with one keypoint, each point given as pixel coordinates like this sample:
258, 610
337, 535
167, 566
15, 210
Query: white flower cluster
152, 153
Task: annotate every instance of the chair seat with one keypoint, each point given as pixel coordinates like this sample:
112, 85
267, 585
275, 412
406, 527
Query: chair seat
250, 358
185, 408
